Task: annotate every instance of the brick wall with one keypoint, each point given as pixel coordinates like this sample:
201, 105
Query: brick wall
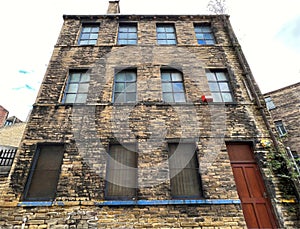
3, 116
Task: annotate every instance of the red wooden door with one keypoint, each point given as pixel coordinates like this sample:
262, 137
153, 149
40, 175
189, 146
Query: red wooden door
250, 186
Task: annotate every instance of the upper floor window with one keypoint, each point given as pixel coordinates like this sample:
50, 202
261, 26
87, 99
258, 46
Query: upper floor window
77, 87
280, 128
184, 171
219, 86
44, 173
89, 34
127, 34
204, 35
121, 172
270, 104
166, 34
172, 86
125, 86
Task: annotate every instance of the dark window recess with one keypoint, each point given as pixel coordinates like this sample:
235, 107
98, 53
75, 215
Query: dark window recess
43, 176
121, 173
184, 171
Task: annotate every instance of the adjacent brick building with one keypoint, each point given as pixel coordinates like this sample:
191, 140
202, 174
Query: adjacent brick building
284, 106
146, 121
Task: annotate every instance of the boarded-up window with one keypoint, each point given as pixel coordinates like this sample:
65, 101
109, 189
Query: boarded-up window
121, 178
184, 171
43, 176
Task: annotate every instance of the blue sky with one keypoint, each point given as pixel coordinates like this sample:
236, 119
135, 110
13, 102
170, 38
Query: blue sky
268, 31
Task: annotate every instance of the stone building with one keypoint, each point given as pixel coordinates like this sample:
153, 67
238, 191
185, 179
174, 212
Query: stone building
146, 121
284, 106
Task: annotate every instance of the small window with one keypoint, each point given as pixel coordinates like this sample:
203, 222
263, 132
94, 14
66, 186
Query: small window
270, 104
219, 86
166, 34
204, 35
121, 172
127, 34
184, 171
280, 128
125, 87
7, 155
77, 87
89, 34
44, 173
172, 86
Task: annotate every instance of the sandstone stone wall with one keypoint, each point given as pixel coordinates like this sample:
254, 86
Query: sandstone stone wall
87, 130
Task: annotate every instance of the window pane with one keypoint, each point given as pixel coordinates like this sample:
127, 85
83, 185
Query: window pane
83, 88
119, 87
95, 29
85, 77
131, 87
170, 36
81, 98
162, 42
119, 97
167, 87
201, 42
224, 87
75, 77
161, 36
213, 86
210, 42
86, 29
179, 97
176, 76
206, 29
92, 42
199, 36
120, 77
94, 36
70, 98
160, 29
132, 29
168, 97
227, 97
72, 88
132, 36
123, 29
178, 87
217, 97
170, 29
208, 36
211, 76
130, 76
122, 42
171, 42
122, 35
130, 97
131, 42
221, 76
85, 36
166, 76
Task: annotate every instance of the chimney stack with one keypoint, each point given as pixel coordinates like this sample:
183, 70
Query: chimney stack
113, 7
